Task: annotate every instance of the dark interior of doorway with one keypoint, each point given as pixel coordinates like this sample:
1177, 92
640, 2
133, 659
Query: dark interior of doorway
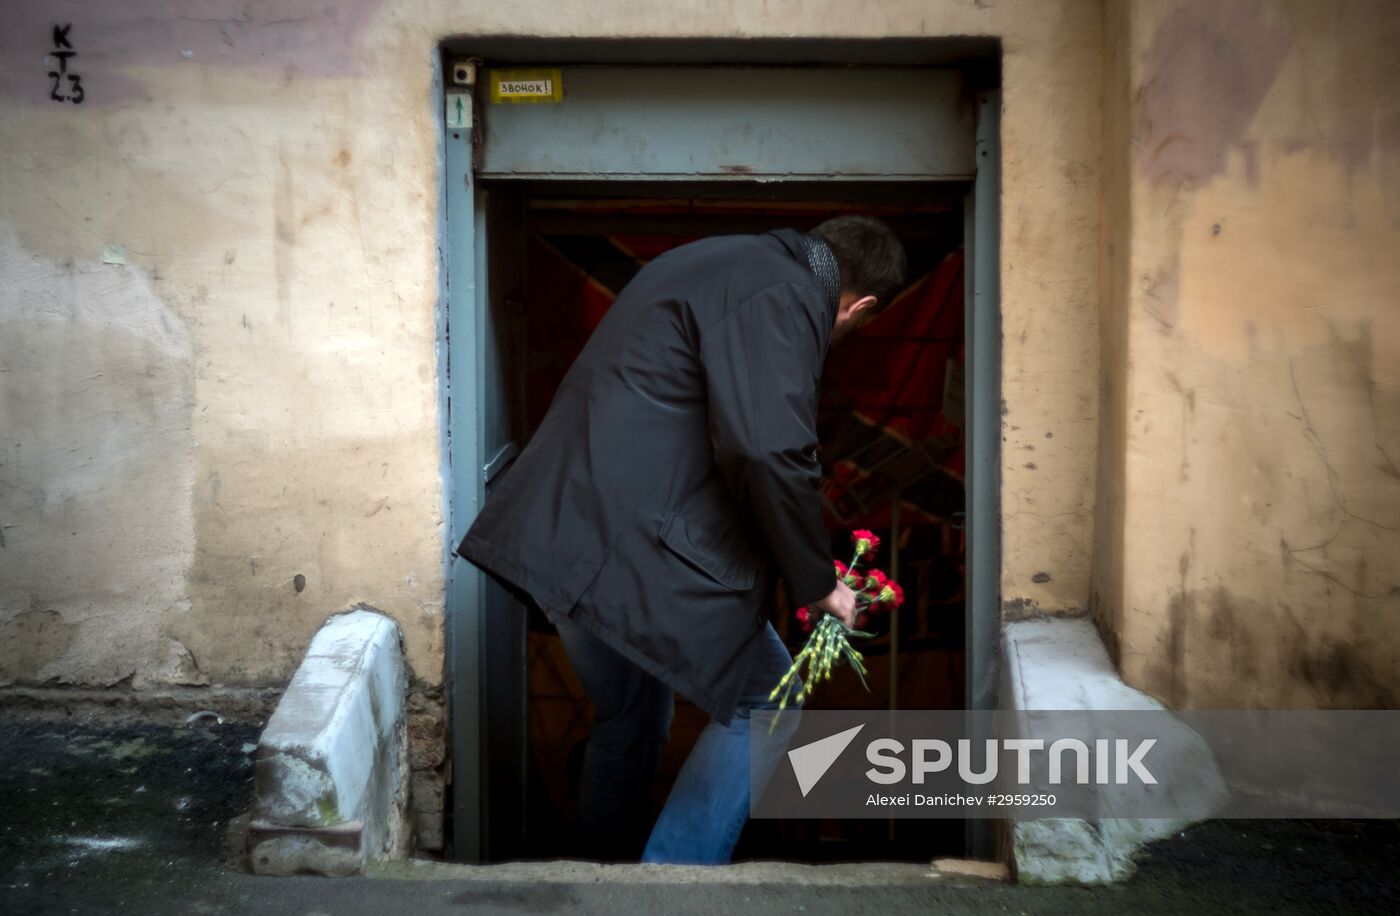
891, 432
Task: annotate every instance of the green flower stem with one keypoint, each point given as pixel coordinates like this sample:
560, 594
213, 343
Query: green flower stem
828, 645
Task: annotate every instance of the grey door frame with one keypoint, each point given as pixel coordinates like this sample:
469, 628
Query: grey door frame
982, 324
462, 343
982, 320
464, 352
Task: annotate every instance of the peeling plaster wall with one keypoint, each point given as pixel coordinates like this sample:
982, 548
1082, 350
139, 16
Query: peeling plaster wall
271, 172
96, 523
1261, 386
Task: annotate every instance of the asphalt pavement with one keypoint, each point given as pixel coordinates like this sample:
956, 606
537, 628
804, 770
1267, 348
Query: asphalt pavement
134, 818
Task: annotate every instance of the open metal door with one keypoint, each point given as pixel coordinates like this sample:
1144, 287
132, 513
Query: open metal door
486, 627
659, 124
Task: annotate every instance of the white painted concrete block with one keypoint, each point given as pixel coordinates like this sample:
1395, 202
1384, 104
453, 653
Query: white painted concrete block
334, 753
1061, 664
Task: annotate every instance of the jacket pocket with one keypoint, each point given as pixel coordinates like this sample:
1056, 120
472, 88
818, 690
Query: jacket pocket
727, 560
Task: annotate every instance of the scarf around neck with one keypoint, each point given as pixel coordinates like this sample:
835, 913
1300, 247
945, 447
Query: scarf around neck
823, 264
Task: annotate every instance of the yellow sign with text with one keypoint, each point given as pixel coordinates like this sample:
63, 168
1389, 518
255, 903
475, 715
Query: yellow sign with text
528, 86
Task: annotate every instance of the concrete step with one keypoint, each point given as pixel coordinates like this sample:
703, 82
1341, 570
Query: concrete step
1061, 664
331, 768
861, 874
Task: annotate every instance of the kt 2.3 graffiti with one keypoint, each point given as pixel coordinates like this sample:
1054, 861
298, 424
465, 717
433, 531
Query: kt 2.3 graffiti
63, 53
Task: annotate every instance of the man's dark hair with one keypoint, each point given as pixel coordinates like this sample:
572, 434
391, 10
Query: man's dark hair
870, 256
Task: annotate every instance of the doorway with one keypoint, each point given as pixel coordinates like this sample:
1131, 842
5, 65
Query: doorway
533, 262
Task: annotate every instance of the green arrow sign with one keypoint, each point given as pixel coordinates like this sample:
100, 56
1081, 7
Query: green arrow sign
459, 111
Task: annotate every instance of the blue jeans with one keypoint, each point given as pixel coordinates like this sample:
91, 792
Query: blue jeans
709, 804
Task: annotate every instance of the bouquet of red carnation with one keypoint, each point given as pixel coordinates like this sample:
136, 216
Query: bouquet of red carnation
829, 642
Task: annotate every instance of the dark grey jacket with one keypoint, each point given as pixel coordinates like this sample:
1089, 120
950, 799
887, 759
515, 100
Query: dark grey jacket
675, 471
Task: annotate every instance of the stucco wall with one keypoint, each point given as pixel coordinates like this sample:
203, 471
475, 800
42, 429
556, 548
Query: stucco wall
213, 445
1261, 386
1115, 245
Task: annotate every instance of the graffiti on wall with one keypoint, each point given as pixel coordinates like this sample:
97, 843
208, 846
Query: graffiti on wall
67, 86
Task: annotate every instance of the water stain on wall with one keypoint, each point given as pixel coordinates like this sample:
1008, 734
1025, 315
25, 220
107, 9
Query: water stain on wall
1287, 595
1228, 652
1352, 119
1205, 75
1342, 679
1265, 415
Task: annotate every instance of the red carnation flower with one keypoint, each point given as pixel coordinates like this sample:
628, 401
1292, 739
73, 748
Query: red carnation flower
875, 580
865, 541
896, 594
841, 569
803, 614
